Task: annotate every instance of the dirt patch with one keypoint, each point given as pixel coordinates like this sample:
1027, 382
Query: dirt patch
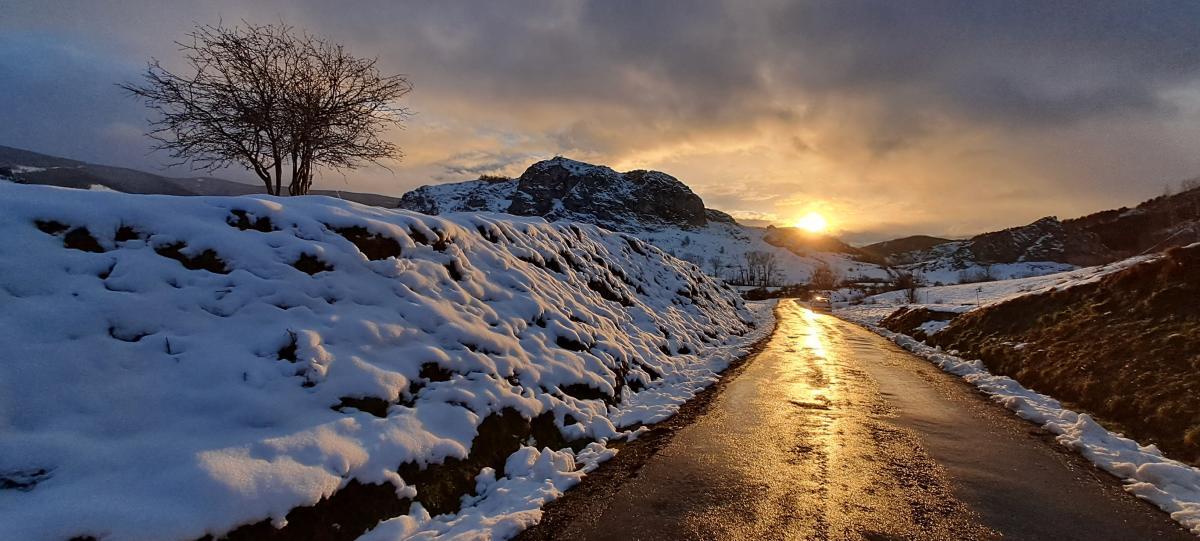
374, 246
244, 221
1125, 349
78, 238
310, 264
207, 260
358, 507
908, 320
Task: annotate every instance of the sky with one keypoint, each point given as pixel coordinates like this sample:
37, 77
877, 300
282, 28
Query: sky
889, 118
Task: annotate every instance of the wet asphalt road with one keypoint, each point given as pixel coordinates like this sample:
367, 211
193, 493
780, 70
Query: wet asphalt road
831, 432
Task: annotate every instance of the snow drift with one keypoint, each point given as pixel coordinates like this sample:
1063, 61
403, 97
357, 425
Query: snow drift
182, 367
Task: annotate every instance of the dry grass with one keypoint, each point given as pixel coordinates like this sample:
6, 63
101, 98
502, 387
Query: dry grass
1125, 349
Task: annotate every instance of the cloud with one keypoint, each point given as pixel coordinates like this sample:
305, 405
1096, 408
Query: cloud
948, 116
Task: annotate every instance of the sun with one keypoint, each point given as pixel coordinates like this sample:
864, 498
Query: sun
813, 222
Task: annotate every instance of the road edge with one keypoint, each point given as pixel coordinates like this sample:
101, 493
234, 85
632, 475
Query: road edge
597, 488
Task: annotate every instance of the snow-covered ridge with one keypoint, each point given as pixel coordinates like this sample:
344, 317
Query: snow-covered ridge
654, 206
565, 189
181, 366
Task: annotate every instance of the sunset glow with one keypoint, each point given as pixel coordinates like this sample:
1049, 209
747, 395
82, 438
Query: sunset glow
813, 223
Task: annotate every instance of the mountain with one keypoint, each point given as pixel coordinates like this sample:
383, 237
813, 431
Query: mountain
25, 167
889, 248
655, 207
1050, 244
304, 357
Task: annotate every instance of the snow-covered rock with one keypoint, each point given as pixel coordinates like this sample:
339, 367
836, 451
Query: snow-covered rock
650, 205
174, 367
565, 189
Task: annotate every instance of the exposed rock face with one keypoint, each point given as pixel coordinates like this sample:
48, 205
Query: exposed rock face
714, 215
561, 188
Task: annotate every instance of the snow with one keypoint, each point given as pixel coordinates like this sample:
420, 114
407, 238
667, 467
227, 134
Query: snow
965, 297
730, 242
1171, 485
932, 327
143, 400
465, 196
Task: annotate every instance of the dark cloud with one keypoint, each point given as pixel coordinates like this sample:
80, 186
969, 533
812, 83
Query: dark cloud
896, 107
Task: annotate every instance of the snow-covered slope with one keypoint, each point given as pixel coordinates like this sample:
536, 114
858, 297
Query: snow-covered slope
651, 205
720, 248
174, 367
965, 297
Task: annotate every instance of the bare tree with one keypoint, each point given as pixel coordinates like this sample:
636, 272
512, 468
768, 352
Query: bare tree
761, 269
716, 264
910, 283
270, 99
823, 278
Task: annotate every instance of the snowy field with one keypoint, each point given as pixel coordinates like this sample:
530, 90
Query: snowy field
175, 367
966, 297
1171, 485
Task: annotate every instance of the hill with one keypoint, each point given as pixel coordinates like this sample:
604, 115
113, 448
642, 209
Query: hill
1050, 244
176, 367
914, 243
25, 167
653, 206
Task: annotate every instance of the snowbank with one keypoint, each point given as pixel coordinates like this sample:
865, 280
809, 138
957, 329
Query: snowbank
1171, 485
175, 367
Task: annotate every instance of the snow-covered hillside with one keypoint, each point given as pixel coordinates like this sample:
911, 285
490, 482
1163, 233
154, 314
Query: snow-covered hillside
720, 247
651, 205
965, 297
953, 263
175, 367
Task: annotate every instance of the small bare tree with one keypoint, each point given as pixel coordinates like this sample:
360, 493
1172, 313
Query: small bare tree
762, 269
270, 99
823, 278
910, 283
716, 264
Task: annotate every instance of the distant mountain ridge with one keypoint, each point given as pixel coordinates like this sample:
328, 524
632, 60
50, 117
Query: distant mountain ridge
28, 167
1102, 237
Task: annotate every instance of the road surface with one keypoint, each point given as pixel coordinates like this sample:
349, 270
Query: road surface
832, 432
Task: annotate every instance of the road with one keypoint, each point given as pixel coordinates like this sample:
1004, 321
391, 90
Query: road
832, 432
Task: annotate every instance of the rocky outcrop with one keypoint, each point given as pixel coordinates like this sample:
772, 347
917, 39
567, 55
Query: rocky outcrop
565, 189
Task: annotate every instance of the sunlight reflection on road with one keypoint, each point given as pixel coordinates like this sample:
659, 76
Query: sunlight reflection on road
818, 371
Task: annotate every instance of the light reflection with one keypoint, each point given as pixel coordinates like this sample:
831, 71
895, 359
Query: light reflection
817, 362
